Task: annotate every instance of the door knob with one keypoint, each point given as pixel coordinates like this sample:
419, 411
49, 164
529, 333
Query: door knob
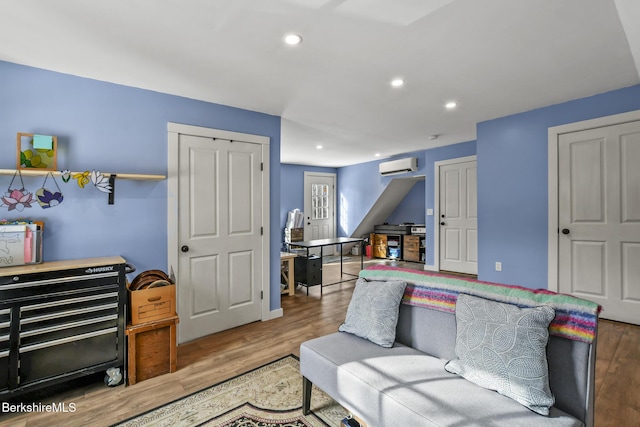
185, 248
442, 223
565, 231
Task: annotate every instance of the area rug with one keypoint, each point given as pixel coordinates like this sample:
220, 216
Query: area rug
269, 396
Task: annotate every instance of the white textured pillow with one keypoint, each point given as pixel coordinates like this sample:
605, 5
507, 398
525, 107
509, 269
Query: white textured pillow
373, 311
503, 347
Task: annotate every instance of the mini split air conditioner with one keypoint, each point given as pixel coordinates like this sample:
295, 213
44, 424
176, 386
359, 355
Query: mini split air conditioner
410, 164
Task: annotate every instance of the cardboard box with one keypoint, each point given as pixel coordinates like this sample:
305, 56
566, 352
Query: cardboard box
152, 304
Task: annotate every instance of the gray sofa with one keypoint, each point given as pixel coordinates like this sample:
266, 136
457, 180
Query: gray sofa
407, 384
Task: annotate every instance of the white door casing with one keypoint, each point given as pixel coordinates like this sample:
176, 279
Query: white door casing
456, 219
218, 208
319, 205
596, 214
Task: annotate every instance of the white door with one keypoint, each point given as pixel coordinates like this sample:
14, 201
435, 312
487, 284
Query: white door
220, 263
458, 217
599, 218
319, 205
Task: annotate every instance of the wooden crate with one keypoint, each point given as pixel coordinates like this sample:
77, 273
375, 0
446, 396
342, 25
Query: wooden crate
151, 349
412, 248
147, 305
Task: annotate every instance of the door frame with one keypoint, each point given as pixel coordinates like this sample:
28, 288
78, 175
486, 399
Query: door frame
554, 134
436, 205
307, 194
174, 131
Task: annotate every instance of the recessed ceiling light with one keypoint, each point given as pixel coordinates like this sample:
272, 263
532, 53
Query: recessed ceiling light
293, 39
318, 147
450, 105
397, 82
377, 155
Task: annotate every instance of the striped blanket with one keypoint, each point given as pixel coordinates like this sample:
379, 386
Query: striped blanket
575, 319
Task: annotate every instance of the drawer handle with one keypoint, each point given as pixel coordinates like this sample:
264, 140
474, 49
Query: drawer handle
59, 303
70, 325
154, 299
66, 340
58, 314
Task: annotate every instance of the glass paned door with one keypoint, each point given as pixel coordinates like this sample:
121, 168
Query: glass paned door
320, 201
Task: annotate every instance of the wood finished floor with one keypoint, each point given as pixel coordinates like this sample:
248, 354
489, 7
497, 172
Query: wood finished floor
212, 359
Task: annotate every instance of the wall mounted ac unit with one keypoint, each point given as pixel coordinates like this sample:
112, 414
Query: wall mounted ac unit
410, 164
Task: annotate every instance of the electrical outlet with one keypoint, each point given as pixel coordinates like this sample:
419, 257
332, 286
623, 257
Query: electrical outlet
498, 266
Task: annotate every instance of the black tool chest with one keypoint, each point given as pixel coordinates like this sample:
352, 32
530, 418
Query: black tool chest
59, 321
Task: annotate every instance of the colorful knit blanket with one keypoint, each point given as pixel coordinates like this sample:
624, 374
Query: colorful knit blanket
576, 318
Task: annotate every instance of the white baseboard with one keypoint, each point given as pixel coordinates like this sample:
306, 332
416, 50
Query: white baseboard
274, 314
430, 268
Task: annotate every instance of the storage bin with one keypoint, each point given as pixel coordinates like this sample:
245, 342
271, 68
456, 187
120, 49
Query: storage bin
152, 304
20, 245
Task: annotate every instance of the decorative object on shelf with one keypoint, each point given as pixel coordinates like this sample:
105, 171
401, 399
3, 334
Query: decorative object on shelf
47, 198
101, 181
36, 151
65, 175
85, 177
82, 177
17, 199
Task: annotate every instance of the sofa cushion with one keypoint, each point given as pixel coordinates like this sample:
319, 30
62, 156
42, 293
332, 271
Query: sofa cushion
401, 386
373, 311
503, 347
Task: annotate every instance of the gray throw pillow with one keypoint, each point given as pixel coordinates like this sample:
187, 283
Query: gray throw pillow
373, 311
503, 347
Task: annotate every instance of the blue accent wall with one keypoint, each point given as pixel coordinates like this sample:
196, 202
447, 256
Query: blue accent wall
360, 185
411, 208
513, 185
292, 189
432, 156
114, 128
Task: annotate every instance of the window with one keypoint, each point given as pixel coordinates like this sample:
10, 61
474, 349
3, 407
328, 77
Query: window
319, 201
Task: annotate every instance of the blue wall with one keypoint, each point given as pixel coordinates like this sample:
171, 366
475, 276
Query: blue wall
292, 189
432, 156
513, 185
114, 128
411, 208
360, 185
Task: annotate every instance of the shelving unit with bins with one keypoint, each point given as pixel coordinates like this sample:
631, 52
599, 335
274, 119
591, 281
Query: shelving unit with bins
386, 246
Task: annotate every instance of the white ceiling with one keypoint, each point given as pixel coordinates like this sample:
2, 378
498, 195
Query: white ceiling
493, 57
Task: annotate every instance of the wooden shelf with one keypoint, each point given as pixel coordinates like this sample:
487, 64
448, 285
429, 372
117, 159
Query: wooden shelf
112, 177
135, 176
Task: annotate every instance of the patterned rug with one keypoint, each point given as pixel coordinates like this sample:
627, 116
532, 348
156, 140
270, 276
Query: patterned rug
269, 396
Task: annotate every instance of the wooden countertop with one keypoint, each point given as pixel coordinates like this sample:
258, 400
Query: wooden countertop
60, 265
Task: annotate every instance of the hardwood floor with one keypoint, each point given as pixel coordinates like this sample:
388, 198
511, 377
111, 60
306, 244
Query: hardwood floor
212, 359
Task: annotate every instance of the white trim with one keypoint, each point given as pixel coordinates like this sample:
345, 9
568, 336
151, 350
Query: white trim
436, 205
553, 139
306, 194
216, 133
174, 132
274, 314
